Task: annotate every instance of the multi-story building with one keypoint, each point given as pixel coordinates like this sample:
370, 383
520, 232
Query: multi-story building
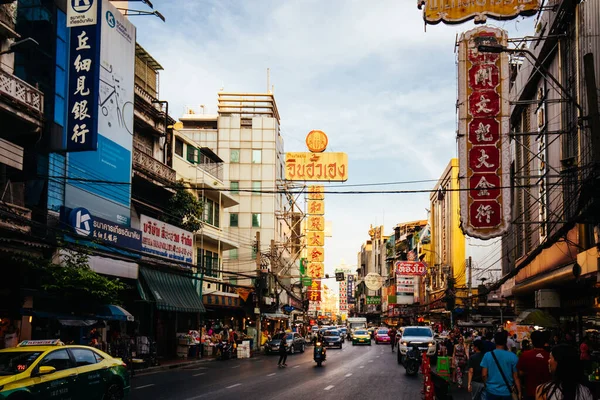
552, 242
447, 251
371, 260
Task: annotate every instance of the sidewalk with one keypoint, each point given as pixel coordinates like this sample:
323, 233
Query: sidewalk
172, 364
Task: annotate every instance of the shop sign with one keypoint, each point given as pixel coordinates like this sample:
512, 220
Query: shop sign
373, 281
411, 268
315, 223
82, 12
373, 299
484, 157
85, 224
306, 281
315, 270
288, 309
316, 207
458, 11
316, 192
305, 166
315, 254
166, 240
315, 238
295, 303
350, 289
314, 292
220, 300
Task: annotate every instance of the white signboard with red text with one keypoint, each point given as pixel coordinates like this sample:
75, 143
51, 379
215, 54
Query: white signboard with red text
483, 140
166, 240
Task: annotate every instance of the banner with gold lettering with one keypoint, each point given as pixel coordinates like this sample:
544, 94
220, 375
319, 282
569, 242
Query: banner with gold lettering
458, 11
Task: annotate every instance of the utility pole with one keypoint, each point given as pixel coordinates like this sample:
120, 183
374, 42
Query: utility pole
258, 290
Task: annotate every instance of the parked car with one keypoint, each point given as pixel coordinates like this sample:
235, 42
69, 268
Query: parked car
422, 336
332, 338
45, 369
381, 336
361, 336
294, 341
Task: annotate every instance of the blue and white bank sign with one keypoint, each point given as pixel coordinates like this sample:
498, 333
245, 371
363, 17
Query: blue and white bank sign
82, 12
82, 222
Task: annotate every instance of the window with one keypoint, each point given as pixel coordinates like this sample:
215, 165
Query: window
179, 147
256, 156
210, 212
234, 186
233, 281
256, 187
58, 359
256, 220
211, 263
234, 156
84, 357
191, 154
233, 219
233, 254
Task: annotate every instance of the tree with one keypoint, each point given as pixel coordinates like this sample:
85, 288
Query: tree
185, 211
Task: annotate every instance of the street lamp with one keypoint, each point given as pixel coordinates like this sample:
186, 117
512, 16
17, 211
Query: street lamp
25, 44
497, 49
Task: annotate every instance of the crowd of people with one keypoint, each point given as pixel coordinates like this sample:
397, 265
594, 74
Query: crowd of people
539, 368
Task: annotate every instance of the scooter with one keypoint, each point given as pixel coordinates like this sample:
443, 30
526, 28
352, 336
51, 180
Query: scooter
412, 361
319, 353
225, 350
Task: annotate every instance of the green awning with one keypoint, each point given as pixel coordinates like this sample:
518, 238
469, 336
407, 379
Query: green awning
172, 292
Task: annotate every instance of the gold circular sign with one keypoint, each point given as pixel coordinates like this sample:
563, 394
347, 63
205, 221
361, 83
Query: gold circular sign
316, 141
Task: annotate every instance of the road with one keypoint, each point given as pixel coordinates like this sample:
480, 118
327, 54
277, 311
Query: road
350, 373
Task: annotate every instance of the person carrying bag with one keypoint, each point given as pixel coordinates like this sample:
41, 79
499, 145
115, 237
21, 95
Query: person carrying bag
497, 385
512, 389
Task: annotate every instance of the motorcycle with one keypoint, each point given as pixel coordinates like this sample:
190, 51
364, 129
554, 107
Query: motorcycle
412, 361
319, 353
224, 350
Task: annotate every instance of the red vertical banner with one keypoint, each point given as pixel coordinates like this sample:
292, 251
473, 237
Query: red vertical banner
484, 157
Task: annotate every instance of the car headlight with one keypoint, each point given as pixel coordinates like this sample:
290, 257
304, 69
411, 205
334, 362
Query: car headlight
404, 343
431, 344
318, 343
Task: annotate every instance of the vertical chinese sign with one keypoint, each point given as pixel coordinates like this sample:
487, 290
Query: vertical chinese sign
99, 128
343, 298
484, 156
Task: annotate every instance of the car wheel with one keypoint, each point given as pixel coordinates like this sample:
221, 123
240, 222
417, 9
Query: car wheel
114, 392
292, 349
302, 348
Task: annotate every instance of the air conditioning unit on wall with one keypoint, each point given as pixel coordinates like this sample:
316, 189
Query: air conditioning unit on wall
547, 298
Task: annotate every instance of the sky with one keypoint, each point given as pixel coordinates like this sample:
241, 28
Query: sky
366, 73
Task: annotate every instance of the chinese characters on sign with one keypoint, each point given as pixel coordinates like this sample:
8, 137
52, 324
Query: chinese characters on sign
315, 235
315, 270
84, 72
316, 192
350, 289
314, 292
457, 11
315, 238
316, 207
483, 140
316, 167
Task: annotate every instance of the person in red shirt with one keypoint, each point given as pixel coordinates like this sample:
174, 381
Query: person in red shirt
533, 366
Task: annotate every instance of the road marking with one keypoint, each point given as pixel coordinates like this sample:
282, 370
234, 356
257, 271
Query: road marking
145, 386
201, 373
296, 366
198, 369
232, 386
362, 366
329, 387
237, 366
274, 373
348, 375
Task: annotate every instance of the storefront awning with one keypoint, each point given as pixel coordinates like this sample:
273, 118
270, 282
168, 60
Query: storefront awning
114, 313
275, 315
172, 292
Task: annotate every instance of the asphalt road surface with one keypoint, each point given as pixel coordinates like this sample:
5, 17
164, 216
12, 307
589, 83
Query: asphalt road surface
354, 372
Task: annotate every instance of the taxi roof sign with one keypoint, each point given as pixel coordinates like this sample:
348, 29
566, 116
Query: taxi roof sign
48, 342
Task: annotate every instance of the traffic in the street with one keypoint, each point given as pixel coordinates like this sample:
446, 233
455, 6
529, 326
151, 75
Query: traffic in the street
349, 373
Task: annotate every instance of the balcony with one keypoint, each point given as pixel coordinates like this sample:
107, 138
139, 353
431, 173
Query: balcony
12, 198
23, 99
155, 169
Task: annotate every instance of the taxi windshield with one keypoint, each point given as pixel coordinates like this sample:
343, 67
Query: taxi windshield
361, 333
15, 362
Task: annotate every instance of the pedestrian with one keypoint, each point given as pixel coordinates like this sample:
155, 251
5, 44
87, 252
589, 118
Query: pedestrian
567, 376
475, 381
511, 344
459, 361
282, 350
533, 366
392, 334
499, 371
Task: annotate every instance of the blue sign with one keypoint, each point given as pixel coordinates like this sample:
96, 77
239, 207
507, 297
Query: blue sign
84, 224
288, 308
350, 290
84, 82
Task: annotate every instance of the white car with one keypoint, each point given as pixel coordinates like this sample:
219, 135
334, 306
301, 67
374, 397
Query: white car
422, 336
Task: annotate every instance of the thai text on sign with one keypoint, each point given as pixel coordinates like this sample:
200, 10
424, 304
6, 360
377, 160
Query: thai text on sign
457, 11
411, 268
307, 166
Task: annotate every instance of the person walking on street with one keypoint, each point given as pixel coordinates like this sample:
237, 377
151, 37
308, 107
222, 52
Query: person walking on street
567, 376
459, 361
533, 365
499, 371
475, 383
282, 350
392, 334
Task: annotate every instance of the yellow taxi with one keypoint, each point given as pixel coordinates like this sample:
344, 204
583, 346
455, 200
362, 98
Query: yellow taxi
48, 369
361, 336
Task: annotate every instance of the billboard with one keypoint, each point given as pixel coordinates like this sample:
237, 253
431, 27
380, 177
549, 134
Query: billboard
100, 177
416, 268
405, 289
82, 12
483, 139
305, 166
166, 240
458, 11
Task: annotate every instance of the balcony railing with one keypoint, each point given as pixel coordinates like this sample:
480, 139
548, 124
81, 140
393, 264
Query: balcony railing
215, 169
152, 166
21, 92
12, 196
